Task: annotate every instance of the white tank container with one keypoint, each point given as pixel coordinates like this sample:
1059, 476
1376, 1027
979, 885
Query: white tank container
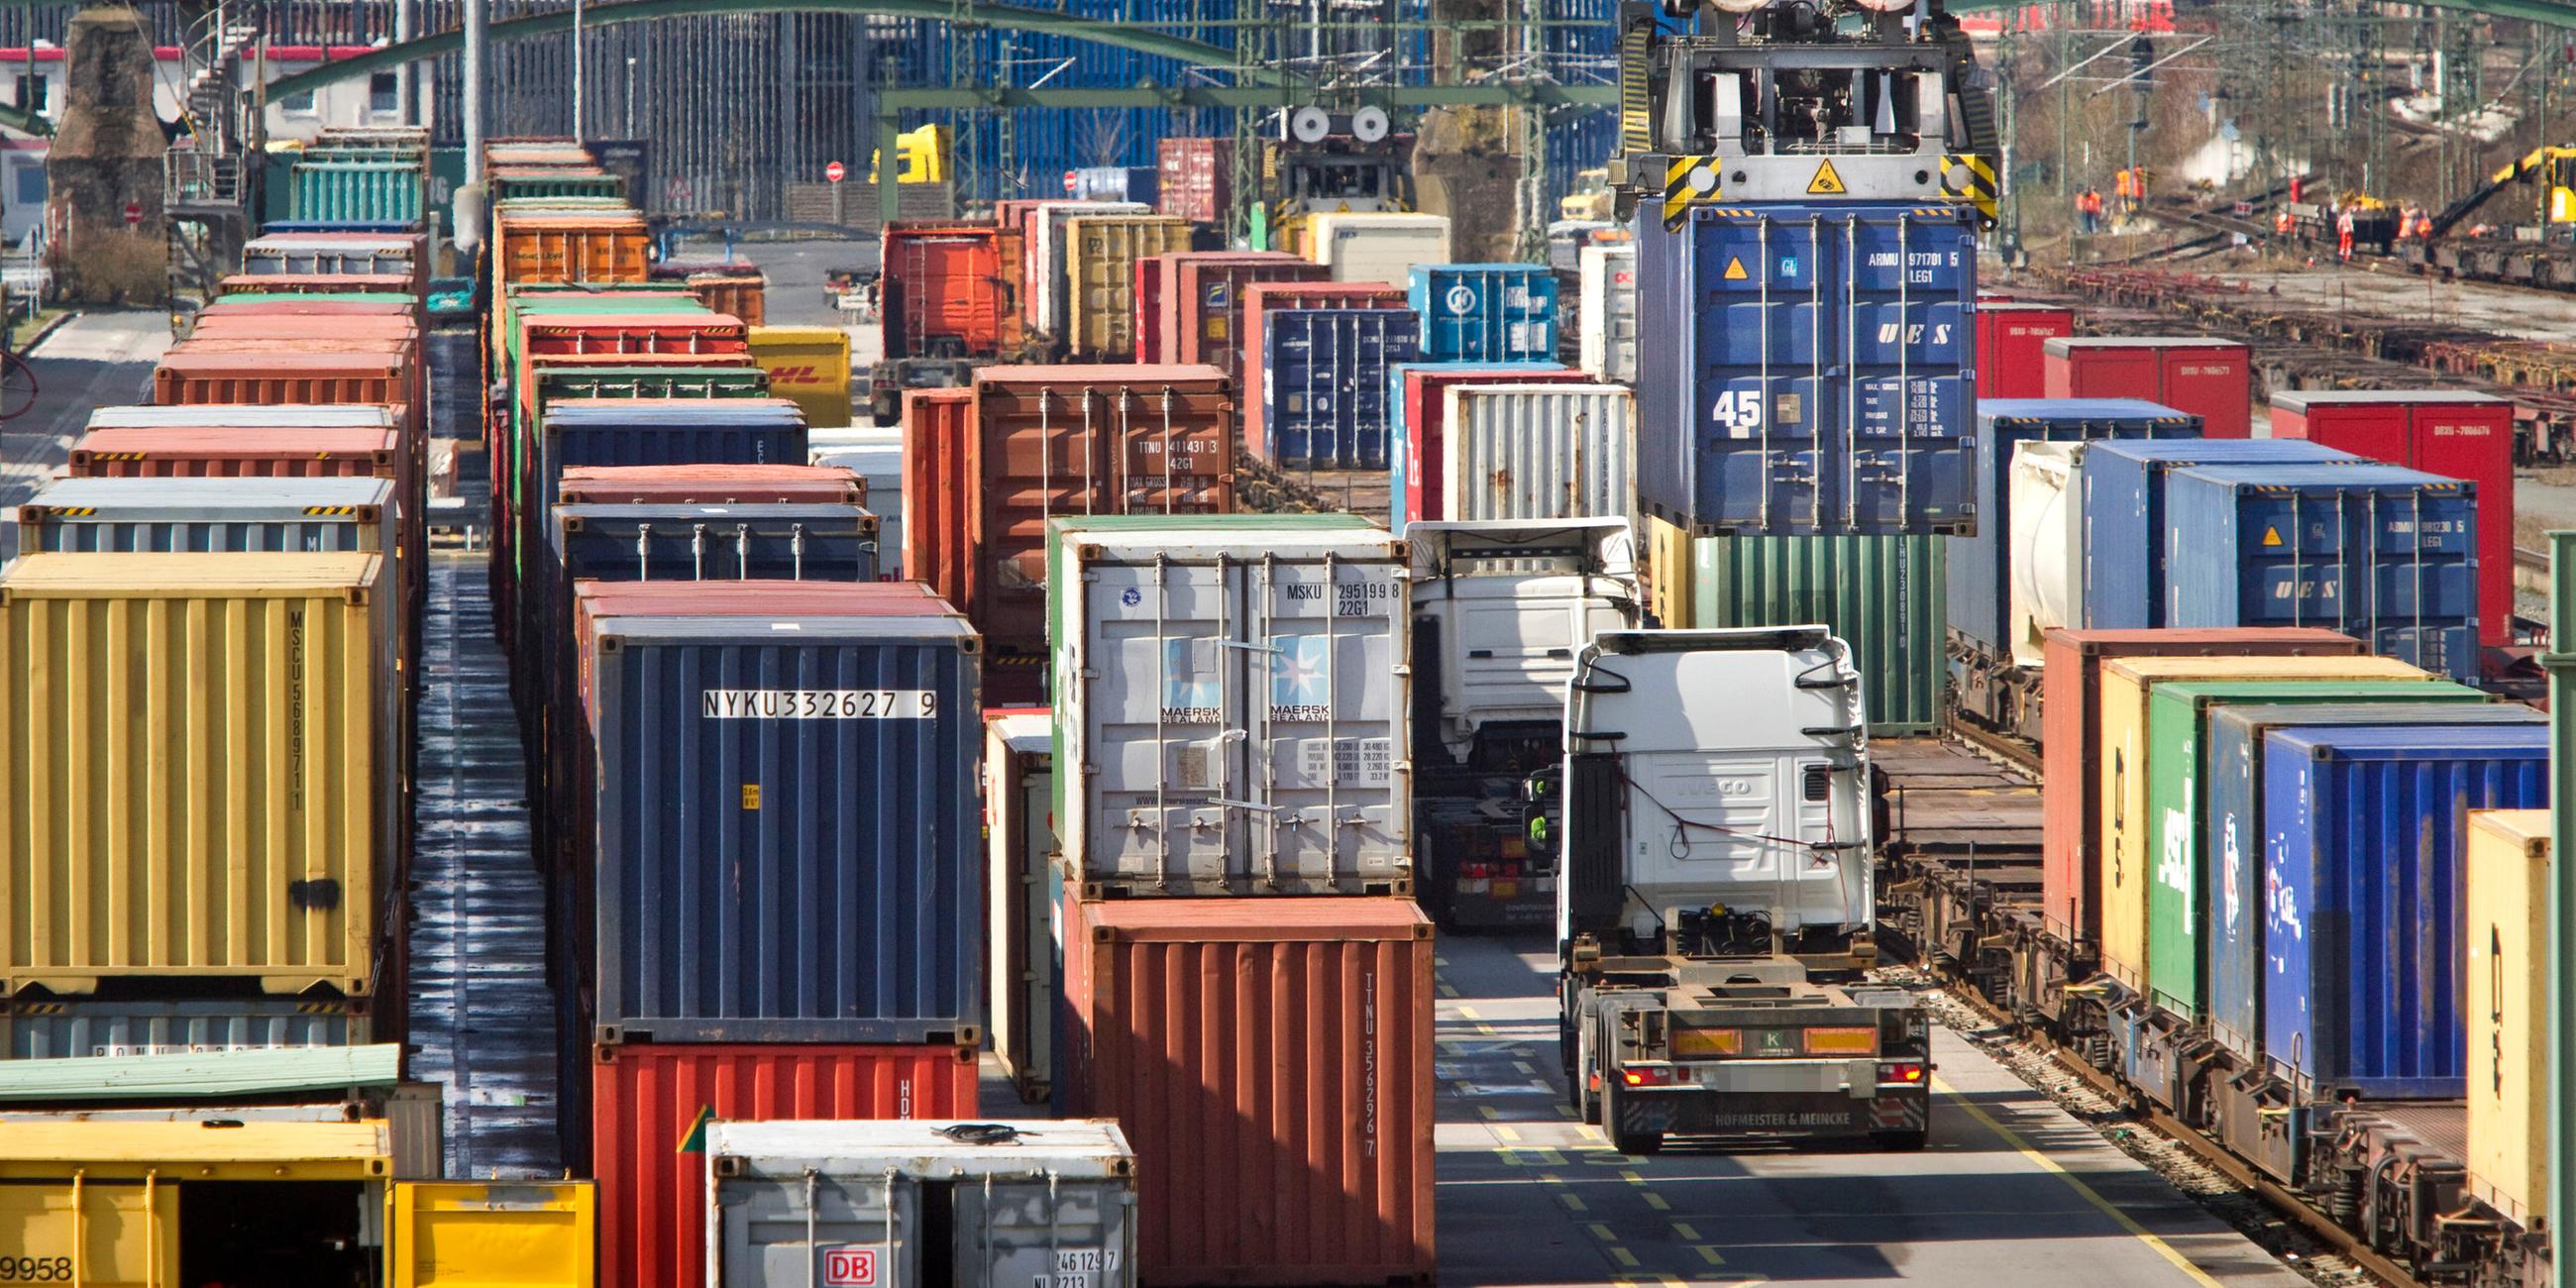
1609, 312
1504, 606
1540, 452
2045, 547
792, 1204
1232, 711
1365, 246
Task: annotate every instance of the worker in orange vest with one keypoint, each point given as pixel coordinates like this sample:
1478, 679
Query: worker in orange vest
2343, 234
2121, 188
2282, 224
2088, 210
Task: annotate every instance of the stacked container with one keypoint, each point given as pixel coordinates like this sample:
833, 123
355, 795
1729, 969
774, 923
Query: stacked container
1200, 313
2122, 496
2012, 348
1607, 279
1196, 180
1324, 385
2197, 375
1485, 312
1262, 299
1417, 400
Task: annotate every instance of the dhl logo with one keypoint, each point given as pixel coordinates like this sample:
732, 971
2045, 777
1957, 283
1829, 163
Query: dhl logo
805, 375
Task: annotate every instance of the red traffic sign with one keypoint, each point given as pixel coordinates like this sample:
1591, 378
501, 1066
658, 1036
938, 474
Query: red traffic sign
133, 215
836, 172
1068, 183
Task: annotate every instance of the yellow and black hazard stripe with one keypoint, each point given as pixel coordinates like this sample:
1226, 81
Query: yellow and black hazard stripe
1689, 181
1970, 178
330, 509
64, 511
1636, 128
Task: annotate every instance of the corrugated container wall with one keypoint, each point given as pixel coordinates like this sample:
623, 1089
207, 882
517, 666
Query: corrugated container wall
1812, 370
1539, 451
1197, 180
351, 192
1485, 312
1100, 275
808, 365
1044, 285
1026, 889
2122, 496
951, 289
1271, 1061
2012, 340
938, 491
645, 1100
2197, 375
1204, 307
1883, 596
1608, 282
1418, 411
1324, 385
1374, 247
55, 1029
199, 771
2508, 978
1262, 299
142, 516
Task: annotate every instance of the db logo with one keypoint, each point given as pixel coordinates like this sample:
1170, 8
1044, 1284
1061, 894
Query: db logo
850, 1267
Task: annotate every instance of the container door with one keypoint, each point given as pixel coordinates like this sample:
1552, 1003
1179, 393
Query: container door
820, 1229
1046, 1234
2213, 384
1036, 839
470, 1234
121, 1234
1906, 398
2474, 441
1166, 723
1324, 709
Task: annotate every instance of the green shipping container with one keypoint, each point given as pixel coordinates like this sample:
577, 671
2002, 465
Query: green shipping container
2178, 899
1886, 597
521, 187
338, 192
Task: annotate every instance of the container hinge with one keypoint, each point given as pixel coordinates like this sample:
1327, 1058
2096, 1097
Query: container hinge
1607, 736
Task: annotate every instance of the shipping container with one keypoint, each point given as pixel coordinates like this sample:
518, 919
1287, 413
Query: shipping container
1297, 636
1324, 385
2121, 767
742, 295
450, 1234
1115, 183
2452, 433
2510, 956
1813, 371
2195, 375
1418, 413
2012, 347
950, 289
55, 1029
251, 835
711, 485
1485, 312
1153, 275
876, 456
2071, 715
603, 245
2123, 487
1271, 1062
1204, 303
809, 365
1043, 247
335, 254
2383, 554
192, 374
1377, 246
938, 490
794, 1204
1261, 299
246, 416
2187, 899
1982, 563
372, 192
2237, 824
2044, 568
784, 826
1026, 888
2364, 937
1095, 315
1539, 451
1883, 596
646, 1100
1196, 180
148, 515
1607, 310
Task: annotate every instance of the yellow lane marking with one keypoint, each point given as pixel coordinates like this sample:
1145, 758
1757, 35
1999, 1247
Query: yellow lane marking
1524, 1067
1511, 1158
1629, 1174
1708, 1254
1469, 1012
1447, 991
1656, 1201
1685, 1230
1552, 1157
2092, 1196
1572, 1203
1624, 1257
1507, 1133
1491, 1115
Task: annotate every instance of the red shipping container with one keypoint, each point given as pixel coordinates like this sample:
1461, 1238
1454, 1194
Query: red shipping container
2012, 341
2197, 375
950, 289
1271, 1062
238, 453
1196, 180
938, 438
2453, 433
2070, 714
1152, 271
1204, 302
1261, 297
711, 485
1426, 431
235, 306
191, 374
645, 1100
314, 283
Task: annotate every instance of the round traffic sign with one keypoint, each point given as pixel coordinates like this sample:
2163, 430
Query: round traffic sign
1068, 183
836, 172
133, 215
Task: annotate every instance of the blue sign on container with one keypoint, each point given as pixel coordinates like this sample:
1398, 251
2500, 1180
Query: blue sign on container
2384, 554
1811, 369
1981, 563
1485, 312
2122, 490
1324, 384
2363, 876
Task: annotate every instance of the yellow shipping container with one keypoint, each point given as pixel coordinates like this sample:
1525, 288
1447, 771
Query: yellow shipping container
198, 768
1100, 268
810, 365
2508, 967
2127, 859
462, 1234
1669, 580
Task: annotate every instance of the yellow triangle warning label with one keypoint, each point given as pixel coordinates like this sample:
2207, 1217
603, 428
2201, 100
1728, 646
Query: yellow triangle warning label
1735, 269
2271, 536
1828, 182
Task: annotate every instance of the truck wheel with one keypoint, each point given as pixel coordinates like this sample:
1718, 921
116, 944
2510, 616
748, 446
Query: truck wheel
1639, 1144
1898, 1142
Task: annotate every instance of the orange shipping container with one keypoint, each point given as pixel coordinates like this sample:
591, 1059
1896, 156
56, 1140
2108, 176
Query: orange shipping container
741, 295
1271, 1061
938, 427
607, 247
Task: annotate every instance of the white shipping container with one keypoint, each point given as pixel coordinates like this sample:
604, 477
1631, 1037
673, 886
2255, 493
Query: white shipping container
1540, 452
2044, 550
792, 1204
1232, 709
1506, 605
1019, 845
1609, 312
1047, 228
1377, 247
875, 455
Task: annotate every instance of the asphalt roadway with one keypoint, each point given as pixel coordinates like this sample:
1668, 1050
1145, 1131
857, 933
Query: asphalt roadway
2010, 1192
98, 359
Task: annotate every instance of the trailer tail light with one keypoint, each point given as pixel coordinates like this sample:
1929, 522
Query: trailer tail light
1908, 1073
1853, 1041
1646, 1075
1690, 1042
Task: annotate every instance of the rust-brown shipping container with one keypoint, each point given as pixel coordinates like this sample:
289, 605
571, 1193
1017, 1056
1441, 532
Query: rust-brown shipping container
190, 374
559, 246
1098, 313
741, 295
2070, 714
1203, 303
711, 485
1262, 297
938, 433
1271, 1061
314, 284
1197, 180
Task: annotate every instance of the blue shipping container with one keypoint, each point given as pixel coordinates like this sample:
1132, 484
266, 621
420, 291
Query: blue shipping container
2386, 555
2236, 828
2123, 500
1485, 312
1399, 431
1812, 369
787, 829
1324, 383
2363, 888
1981, 563
1116, 183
